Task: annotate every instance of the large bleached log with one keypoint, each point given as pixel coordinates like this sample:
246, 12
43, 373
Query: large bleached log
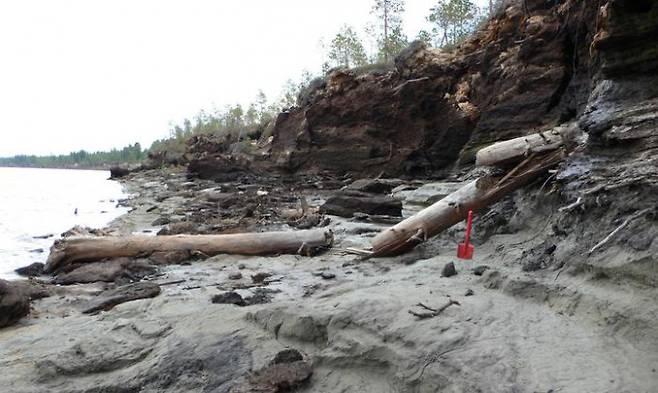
454, 208
89, 249
518, 148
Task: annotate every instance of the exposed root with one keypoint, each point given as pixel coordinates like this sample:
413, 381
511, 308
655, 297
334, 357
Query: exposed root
579, 202
432, 312
619, 228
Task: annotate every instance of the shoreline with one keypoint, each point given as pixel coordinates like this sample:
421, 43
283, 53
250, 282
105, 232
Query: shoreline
67, 168
33, 221
346, 318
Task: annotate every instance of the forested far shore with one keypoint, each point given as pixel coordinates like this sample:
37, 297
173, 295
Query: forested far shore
131, 154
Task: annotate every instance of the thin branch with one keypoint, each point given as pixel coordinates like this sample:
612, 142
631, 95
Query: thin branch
619, 228
432, 312
579, 202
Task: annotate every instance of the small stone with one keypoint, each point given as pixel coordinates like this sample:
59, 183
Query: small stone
449, 270
14, 303
242, 266
235, 275
327, 275
260, 277
479, 270
162, 220
287, 356
37, 250
469, 292
229, 298
35, 269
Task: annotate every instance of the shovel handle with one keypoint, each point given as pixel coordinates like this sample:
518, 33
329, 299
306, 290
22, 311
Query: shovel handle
469, 224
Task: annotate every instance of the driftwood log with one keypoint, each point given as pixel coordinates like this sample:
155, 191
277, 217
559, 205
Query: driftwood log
90, 249
516, 149
454, 208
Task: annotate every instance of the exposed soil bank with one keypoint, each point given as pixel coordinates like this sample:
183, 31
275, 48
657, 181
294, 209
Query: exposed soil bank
561, 294
531, 331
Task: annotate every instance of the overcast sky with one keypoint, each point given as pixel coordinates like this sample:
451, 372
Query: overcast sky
90, 74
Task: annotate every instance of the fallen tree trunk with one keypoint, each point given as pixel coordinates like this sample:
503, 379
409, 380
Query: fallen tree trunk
454, 208
90, 249
518, 148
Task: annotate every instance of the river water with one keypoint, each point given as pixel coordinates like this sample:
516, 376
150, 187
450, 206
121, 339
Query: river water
42, 202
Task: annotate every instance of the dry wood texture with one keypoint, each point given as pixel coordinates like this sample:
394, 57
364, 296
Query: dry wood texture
90, 249
454, 208
518, 148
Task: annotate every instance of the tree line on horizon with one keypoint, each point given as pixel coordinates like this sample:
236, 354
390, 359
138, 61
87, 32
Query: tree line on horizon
451, 20
131, 154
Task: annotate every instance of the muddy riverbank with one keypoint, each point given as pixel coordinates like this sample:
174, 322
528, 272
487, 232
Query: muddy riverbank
513, 330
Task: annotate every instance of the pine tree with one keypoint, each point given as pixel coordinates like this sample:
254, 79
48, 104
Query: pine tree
346, 49
389, 18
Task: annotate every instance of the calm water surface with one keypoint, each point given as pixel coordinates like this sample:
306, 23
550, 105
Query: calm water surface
38, 202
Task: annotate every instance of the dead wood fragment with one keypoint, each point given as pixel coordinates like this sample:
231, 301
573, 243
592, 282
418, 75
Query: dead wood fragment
518, 148
579, 202
619, 228
90, 249
432, 312
398, 88
376, 218
454, 208
108, 300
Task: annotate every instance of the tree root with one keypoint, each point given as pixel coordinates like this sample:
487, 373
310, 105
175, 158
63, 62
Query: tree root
432, 312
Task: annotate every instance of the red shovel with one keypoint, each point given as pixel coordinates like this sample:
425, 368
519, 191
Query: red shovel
465, 250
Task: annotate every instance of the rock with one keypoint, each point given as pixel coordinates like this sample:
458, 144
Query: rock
115, 270
162, 220
327, 275
85, 231
260, 277
289, 355
223, 199
218, 167
345, 204
109, 299
33, 289
261, 296
430, 193
177, 228
14, 303
32, 270
449, 270
242, 266
37, 250
229, 298
148, 358
117, 172
47, 236
285, 373
307, 222
469, 292
235, 275
479, 270
373, 186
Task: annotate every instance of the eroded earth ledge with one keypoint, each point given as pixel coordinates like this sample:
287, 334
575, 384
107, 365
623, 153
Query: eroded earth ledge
560, 296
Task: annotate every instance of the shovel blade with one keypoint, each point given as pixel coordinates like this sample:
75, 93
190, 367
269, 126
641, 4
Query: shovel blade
465, 251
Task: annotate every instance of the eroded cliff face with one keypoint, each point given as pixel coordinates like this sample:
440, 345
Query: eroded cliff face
529, 69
